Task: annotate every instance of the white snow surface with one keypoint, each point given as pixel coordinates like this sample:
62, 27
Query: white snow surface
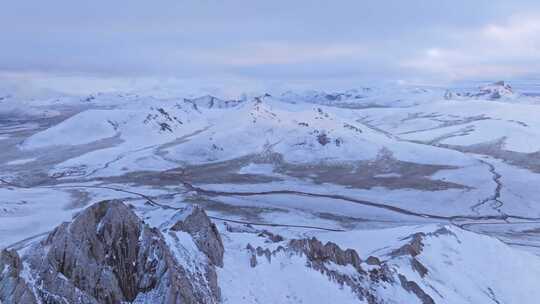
484, 140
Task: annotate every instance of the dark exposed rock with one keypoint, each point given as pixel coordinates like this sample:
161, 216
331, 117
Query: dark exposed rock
442, 231
265, 252
165, 127
414, 288
204, 233
274, 238
253, 261
328, 259
212, 102
329, 252
373, 261
323, 139
260, 252
381, 274
419, 267
351, 127
320, 257
416, 242
13, 288
448, 95
246, 228
494, 91
105, 255
413, 247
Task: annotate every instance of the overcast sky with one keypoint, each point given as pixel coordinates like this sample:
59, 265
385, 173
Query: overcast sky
270, 42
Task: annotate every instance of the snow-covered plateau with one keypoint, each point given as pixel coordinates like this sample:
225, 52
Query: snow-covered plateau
396, 194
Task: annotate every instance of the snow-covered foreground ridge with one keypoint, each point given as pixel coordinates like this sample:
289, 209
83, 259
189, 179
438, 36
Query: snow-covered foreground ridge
108, 254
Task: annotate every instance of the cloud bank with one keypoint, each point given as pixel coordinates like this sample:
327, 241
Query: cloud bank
267, 43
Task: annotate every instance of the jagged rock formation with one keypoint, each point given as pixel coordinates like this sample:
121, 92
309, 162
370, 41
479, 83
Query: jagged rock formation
318, 254
410, 251
12, 286
494, 91
109, 255
211, 102
204, 233
345, 267
321, 97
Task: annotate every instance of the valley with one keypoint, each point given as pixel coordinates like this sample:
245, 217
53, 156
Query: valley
354, 168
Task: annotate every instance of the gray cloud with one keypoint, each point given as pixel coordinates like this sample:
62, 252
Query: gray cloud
269, 41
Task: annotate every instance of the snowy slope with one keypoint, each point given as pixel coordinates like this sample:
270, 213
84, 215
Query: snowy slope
436, 185
451, 266
462, 267
302, 133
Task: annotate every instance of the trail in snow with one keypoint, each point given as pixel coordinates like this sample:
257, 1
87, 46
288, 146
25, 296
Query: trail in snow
361, 202
274, 225
161, 149
388, 207
364, 121
118, 158
151, 201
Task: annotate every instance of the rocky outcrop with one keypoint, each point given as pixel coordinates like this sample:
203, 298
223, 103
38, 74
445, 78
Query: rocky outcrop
373, 261
342, 266
411, 286
346, 268
415, 242
13, 288
107, 254
204, 233
495, 91
410, 251
212, 102
413, 247
323, 257
318, 254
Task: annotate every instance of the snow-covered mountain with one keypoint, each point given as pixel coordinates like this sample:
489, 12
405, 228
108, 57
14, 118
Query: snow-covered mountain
495, 91
366, 97
405, 194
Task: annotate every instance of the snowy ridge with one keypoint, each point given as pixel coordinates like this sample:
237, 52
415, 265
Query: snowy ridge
404, 194
499, 90
410, 264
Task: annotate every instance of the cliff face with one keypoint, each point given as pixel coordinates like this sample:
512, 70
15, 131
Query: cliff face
109, 255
